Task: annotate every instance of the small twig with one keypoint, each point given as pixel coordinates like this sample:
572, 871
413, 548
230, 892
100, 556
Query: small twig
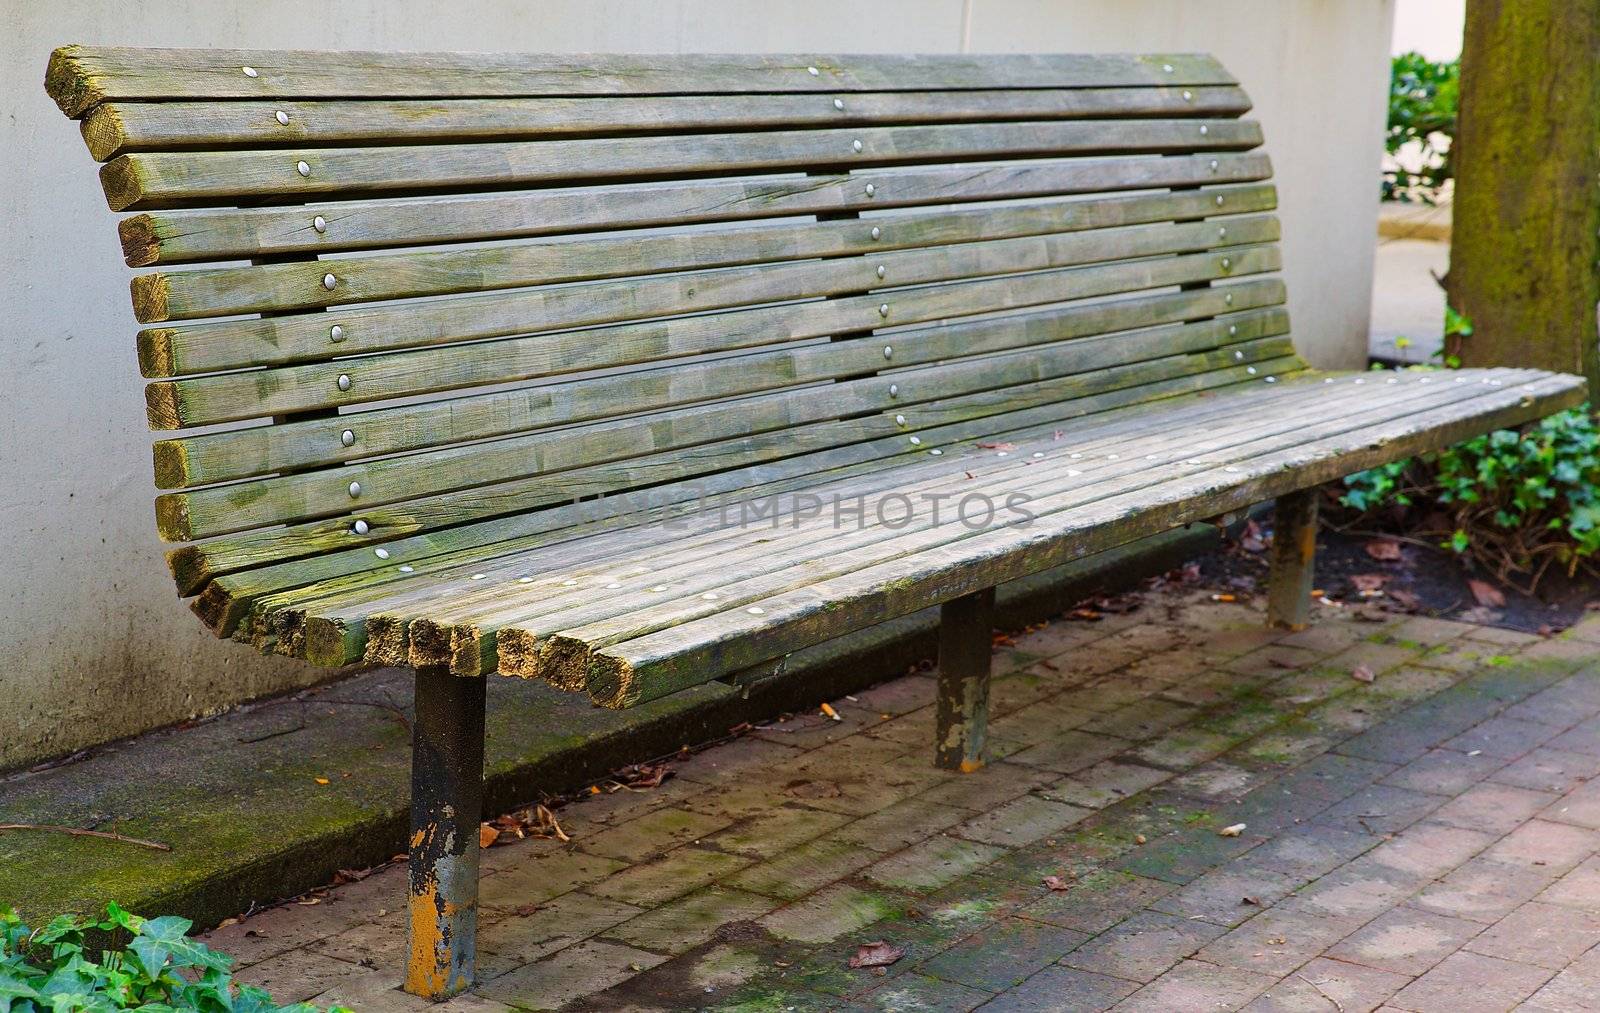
1337, 1005
80, 832
272, 735
399, 715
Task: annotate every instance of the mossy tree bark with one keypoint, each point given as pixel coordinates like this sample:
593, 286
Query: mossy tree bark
1527, 205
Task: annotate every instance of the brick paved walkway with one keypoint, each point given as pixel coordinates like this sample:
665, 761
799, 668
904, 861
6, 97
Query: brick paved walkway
1426, 841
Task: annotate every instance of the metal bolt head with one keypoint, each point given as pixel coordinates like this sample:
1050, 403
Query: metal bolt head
894, 390
916, 441
855, 145
249, 71
1228, 298
812, 71
877, 233
302, 167
1167, 67
1219, 200
1213, 165
329, 281
344, 381
319, 223
1232, 330
871, 190
888, 351
899, 420
1222, 232
883, 309
381, 553
1204, 130
348, 437
838, 103
882, 270
355, 489
282, 118
360, 527
1188, 96
336, 332
1227, 262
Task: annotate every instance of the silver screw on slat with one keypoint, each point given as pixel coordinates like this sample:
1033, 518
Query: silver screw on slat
1204, 130
855, 146
329, 281
1188, 96
883, 309
812, 71
1214, 165
336, 333
319, 223
894, 390
1232, 330
348, 437
916, 441
282, 117
1167, 67
882, 270
1228, 298
871, 190
381, 553
1219, 200
1226, 263
248, 71
1222, 232
355, 489
888, 351
360, 527
899, 420
344, 381
838, 103
877, 233
302, 167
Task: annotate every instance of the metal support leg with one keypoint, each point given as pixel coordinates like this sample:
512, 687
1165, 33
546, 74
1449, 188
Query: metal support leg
1294, 545
446, 806
966, 628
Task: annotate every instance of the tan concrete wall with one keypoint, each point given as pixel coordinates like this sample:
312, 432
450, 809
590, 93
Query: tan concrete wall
94, 646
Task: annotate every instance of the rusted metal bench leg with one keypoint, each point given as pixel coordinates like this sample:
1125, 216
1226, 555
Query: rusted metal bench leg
446, 806
966, 628
1294, 546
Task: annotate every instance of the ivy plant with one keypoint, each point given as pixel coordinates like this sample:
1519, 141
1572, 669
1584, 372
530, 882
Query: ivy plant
159, 970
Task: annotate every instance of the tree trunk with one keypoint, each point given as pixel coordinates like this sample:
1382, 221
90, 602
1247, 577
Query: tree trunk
1524, 249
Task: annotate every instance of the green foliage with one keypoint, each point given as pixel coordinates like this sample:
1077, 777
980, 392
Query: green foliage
1423, 99
161, 970
1516, 503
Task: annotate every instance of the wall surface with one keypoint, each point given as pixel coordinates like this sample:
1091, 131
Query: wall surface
93, 644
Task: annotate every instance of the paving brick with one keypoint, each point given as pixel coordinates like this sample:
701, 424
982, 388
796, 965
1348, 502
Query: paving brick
671, 876
1142, 947
728, 761
1228, 895
1321, 983
1195, 984
1333, 777
1186, 854
691, 920
828, 914
298, 975
1041, 722
1001, 955
380, 990
519, 939
1063, 990
1218, 779
1405, 941
1097, 901
377, 944
1120, 778
1070, 752
800, 870
1547, 769
899, 825
1429, 850
1185, 747
777, 831
1492, 808
574, 972
1277, 941
1563, 705
1579, 888
1482, 890
1581, 738
1548, 935
1502, 736
1567, 992
1443, 772
1469, 983
1020, 821
930, 864
920, 992
538, 879
1556, 847
652, 834
1381, 809
1141, 720
1357, 891
1310, 851
988, 786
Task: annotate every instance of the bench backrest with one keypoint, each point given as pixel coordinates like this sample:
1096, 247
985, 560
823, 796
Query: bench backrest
444, 295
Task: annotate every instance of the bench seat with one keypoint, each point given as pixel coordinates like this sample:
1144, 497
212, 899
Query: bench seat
668, 597
633, 372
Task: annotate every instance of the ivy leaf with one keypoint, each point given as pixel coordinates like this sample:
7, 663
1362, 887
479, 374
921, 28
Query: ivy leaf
13, 987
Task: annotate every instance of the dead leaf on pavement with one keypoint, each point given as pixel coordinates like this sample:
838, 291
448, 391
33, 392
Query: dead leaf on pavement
1362, 673
1486, 594
1369, 581
814, 789
1384, 549
1057, 883
998, 446
876, 954
532, 821
1406, 599
487, 835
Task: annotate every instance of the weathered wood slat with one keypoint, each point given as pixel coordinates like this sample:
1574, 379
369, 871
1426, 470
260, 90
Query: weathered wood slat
114, 128
183, 295
80, 77
165, 179
237, 573
651, 666
339, 607
173, 404
290, 446
240, 233
237, 507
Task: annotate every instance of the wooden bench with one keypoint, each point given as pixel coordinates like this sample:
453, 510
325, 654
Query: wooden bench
681, 353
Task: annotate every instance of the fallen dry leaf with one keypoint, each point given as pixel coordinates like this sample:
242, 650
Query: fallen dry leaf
487, 835
1406, 599
998, 446
1362, 673
1057, 883
531, 821
1384, 549
1247, 899
876, 954
1233, 831
814, 789
1486, 594
1138, 838
1369, 581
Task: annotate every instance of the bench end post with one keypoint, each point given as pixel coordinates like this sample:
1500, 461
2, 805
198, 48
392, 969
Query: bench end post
1294, 548
446, 806
966, 627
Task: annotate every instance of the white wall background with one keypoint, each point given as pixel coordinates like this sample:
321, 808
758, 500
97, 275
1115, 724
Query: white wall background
93, 643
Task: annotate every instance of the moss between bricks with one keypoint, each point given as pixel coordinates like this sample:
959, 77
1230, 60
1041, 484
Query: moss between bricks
238, 798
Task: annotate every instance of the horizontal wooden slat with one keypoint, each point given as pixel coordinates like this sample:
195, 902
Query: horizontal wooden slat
292, 446
181, 295
664, 662
179, 179
186, 236
238, 507
79, 77
115, 128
